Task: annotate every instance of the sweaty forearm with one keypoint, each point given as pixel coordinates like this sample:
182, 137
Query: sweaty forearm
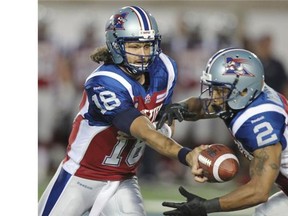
264, 169
243, 197
194, 109
143, 129
162, 144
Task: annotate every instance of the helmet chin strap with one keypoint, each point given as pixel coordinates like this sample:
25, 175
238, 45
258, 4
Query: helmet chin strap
217, 108
136, 76
223, 112
226, 114
133, 70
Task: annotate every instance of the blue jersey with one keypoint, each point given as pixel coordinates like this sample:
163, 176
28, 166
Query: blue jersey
111, 91
94, 151
263, 123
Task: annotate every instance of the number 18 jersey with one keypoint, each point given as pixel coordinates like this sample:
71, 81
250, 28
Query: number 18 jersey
93, 151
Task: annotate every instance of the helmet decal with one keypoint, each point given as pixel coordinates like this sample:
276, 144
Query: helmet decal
235, 66
118, 22
238, 71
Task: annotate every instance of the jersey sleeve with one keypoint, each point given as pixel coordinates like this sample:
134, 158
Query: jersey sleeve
172, 78
261, 130
107, 97
174, 81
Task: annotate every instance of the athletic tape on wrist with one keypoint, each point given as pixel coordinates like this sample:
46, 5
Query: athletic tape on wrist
182, 155
212, 205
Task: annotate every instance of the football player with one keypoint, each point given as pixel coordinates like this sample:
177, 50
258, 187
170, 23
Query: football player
121, 101
234, 90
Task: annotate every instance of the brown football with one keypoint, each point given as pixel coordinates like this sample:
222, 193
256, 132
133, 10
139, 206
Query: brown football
219, 163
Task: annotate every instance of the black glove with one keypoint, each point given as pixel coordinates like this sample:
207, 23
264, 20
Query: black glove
174, 111
194, 206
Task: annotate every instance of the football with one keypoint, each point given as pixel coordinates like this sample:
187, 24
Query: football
219, 163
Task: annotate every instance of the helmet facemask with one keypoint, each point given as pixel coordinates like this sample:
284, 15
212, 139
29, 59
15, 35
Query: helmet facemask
217, 95
144, 61
132, 24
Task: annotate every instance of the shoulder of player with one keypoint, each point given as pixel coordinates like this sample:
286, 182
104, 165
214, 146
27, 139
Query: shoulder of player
108, 78
258, 113
166, 63
165, 59
268, 101
269, 95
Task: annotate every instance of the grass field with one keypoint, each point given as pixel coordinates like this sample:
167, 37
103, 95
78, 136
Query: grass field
154, 193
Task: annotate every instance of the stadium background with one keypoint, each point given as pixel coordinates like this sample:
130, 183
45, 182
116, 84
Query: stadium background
191, 32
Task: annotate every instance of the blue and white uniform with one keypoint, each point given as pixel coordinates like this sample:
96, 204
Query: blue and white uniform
100, 170
265, 120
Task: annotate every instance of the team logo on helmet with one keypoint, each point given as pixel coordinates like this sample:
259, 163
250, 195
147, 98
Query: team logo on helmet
118, 21
235, 66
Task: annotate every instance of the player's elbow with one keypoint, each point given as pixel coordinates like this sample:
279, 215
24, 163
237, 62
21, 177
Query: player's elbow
141, 128
260, 195
145, 133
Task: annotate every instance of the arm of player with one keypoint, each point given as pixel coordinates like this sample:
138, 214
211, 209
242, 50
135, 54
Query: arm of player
190, 109
143, 129
196, 105
165, 130
264, 170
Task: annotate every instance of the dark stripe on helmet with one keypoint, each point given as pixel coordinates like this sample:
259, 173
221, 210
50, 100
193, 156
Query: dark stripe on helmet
144, 16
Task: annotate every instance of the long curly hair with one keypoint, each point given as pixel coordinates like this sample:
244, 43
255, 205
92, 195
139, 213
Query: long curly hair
101, 54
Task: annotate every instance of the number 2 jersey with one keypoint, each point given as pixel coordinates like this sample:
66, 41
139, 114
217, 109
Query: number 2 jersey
93, 151
263, 123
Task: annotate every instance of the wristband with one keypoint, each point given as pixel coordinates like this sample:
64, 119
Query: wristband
212, 205
182, 155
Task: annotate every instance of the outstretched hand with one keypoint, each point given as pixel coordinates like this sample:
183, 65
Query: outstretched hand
175, 111
193, 205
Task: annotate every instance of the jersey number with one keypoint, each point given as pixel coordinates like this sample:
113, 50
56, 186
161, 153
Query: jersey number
114, 159
108, 99
266, 135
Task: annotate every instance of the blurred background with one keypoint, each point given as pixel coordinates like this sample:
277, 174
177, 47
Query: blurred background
69, 31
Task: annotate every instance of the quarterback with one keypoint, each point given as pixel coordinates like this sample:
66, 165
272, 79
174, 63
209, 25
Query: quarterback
121, 101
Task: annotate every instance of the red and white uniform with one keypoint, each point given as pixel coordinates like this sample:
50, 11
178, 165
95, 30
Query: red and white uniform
98, 172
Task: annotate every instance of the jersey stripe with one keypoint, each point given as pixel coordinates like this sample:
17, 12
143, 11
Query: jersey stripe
79, 146
257, 110
171, 76
117, 77
285, 141
142, 17
84, 104
62, 181
161, 97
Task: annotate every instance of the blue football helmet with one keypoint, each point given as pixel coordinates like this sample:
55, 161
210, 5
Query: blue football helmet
238, 70
132, 24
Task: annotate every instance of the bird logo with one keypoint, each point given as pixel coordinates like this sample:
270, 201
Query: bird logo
236, 66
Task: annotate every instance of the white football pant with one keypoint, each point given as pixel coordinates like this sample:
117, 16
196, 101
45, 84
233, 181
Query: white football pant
276, 205
103, 198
